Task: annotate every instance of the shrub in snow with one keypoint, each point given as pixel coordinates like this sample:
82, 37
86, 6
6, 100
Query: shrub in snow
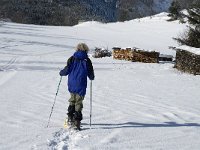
101, 52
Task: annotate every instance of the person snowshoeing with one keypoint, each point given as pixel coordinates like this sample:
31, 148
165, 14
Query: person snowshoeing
78, 68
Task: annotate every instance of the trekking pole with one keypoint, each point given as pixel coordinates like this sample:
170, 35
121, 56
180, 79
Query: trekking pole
54, 102
90, 102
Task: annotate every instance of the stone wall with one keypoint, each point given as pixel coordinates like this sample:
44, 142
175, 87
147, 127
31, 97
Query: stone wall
187, 62
136, 55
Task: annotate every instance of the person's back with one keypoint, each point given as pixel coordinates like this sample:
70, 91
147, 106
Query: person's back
78, 68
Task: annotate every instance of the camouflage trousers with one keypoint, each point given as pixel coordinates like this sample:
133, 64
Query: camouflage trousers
77, 101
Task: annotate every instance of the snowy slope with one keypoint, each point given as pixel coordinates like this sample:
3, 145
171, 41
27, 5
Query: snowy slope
135, 105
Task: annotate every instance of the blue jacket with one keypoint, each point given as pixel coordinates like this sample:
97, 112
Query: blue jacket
78, 68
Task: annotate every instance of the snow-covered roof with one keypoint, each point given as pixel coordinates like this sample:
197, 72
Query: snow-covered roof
190, 49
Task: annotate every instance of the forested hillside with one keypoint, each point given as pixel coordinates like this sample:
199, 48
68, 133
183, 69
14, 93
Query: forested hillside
130, 9
70, 12
57, 12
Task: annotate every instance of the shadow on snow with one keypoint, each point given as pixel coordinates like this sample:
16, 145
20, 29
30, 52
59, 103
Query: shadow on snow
141, 125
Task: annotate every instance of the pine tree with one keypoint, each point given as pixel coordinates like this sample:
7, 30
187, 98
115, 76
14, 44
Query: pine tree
194, 14
191, 37
174, 10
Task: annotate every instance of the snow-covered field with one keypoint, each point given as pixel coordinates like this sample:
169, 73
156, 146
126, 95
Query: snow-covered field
136, 106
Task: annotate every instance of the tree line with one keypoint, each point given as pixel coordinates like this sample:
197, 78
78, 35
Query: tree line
54, 12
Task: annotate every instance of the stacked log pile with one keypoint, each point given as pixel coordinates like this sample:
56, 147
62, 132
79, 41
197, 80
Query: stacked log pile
135, 55
187, 62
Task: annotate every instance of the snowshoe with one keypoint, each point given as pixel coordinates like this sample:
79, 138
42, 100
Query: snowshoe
69, 123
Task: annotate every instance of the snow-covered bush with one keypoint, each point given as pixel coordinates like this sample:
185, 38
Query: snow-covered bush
101, 52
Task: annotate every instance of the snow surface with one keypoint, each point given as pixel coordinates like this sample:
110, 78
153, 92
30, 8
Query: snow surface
190, 49
135, 105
